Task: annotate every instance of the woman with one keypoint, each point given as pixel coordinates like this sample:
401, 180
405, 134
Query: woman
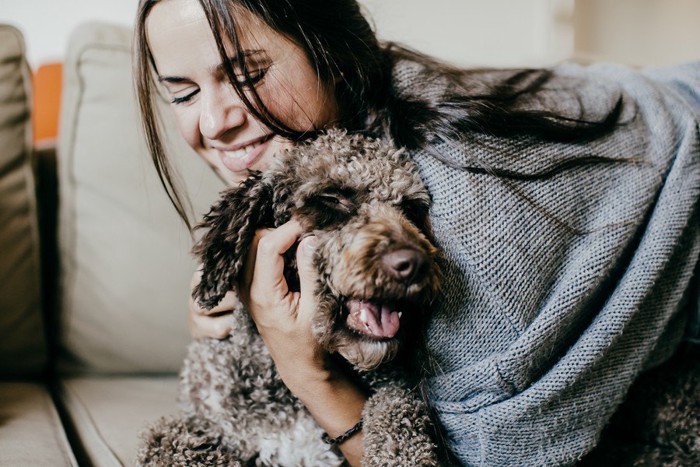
565, 201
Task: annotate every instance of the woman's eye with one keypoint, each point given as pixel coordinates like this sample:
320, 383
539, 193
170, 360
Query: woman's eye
255, 77
183, 99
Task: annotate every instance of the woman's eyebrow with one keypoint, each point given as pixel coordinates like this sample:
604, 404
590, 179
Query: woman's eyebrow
239, 58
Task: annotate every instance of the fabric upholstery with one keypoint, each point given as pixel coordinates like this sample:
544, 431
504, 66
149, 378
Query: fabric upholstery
124, 252
30, 429
22, 348
108, 413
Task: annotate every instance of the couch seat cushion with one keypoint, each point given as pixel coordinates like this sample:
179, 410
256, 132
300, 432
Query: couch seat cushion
30, 429
106, 414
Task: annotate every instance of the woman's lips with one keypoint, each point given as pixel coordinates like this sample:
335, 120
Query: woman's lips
244, 158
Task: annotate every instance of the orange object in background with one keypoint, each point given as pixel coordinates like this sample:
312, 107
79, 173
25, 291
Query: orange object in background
47, 83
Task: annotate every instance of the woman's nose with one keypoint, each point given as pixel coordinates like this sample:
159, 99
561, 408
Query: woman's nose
221, 111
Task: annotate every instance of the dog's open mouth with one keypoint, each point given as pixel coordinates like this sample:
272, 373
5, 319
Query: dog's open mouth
378, 320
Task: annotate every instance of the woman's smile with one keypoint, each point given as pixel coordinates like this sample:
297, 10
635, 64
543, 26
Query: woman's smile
244, 156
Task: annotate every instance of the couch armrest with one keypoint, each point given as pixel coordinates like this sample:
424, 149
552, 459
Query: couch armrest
22, 344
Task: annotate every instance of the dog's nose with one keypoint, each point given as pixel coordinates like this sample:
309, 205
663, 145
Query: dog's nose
405, 264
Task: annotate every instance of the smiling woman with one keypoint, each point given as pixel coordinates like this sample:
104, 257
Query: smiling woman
564, 201
210, 114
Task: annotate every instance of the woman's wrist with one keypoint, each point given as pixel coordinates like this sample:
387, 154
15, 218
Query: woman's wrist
336, 403
317, 374
333, 400
307, 383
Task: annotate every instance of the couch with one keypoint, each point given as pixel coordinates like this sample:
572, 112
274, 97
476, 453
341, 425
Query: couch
94, 262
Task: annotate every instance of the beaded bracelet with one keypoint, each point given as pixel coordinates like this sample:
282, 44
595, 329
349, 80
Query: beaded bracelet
344, 437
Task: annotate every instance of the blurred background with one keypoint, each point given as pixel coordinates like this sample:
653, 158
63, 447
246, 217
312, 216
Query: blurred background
469, 32
465, 32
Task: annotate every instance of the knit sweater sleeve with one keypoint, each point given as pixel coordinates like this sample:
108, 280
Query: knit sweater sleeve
559, 290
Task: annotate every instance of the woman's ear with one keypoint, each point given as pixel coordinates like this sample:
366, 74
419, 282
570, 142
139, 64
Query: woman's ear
231, 224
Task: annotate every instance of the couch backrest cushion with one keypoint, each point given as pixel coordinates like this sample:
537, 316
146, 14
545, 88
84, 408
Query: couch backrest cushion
126, 265
22, 348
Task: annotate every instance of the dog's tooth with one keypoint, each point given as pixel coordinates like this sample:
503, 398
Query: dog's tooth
400, 314
363, 315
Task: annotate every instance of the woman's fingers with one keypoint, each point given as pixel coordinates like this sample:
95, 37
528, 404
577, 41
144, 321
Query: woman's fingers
267, 282
212, 326
308, 277
263, 287
215, 323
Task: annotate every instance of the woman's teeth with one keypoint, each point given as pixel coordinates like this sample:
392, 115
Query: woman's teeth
241, 152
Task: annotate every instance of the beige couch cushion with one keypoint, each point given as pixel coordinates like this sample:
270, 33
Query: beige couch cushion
30, 430
108, 413
22, 349
125, 256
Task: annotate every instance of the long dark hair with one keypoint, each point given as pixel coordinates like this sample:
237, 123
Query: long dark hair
342, 47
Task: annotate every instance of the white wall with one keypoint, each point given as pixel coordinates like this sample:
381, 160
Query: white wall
635, 32
491, 32
47, 24
481, 32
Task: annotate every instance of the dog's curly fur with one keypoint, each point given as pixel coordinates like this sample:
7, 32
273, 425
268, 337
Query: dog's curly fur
365, 203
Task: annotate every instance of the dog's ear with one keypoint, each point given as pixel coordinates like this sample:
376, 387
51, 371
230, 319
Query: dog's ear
231, 224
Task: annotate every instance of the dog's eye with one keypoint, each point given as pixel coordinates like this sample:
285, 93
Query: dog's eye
340, 200
327, 208
415, 211
336, 201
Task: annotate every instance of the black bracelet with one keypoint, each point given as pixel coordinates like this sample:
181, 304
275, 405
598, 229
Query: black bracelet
344, 437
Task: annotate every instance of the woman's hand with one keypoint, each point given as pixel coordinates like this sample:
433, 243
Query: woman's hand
284, 320
214, 323
283, 317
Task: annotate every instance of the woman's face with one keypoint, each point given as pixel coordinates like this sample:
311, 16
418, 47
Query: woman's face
209, 114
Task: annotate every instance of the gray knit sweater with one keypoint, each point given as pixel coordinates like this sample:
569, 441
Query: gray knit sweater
559, 291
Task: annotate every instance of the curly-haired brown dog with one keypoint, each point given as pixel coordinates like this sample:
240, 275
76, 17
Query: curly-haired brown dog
368, 208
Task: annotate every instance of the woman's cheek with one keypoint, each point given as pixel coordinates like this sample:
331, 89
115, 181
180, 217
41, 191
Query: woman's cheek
187, 123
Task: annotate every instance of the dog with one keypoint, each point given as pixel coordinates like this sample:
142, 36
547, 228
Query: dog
378, 275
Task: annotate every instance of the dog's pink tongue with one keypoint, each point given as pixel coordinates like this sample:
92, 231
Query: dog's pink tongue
373, 319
